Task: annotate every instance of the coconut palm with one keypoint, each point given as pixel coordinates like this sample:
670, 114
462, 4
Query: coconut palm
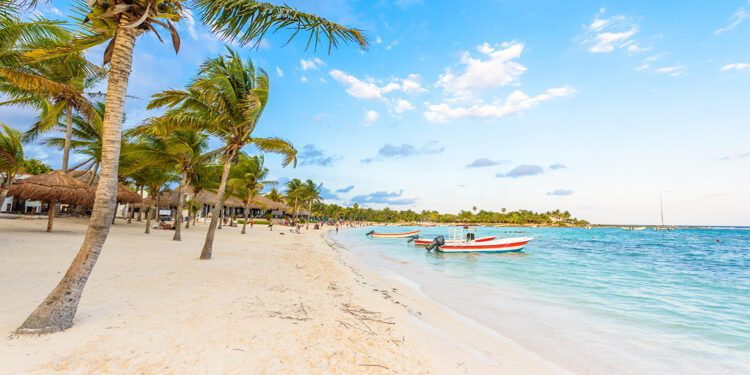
54, 87
184, 149
295, 194
275, 196
11, 158
201, 178
156, 177
226, 100
247, 178
120, 22
311, 195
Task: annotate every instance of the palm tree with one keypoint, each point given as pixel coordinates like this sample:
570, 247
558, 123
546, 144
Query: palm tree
203, 177
184, 149
155, 178
295, 191
55, 87
311, 195
247, 178
120, 22
11, 159
226, 99
275, 196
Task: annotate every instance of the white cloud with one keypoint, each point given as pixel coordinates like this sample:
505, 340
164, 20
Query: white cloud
609, 41
303, 79
371, 117
672, 71
735, 66
735, 20
604, 35
497, 68
378, 40
402, 106
372, 89
311, 64
279, 72
516, 102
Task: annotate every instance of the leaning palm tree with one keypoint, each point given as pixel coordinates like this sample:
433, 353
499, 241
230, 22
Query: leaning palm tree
184, 149
247, 177
226, 100
120, 22
11, 158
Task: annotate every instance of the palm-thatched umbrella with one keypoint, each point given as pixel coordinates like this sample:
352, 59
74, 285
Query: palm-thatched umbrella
52, 187
125, 195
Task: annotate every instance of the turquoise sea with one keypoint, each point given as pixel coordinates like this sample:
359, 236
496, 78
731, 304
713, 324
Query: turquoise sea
603, 300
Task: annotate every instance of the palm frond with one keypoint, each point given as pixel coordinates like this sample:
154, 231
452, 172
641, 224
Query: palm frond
277, 146
249, 21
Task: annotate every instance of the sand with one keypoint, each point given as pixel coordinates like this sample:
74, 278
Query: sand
266, 303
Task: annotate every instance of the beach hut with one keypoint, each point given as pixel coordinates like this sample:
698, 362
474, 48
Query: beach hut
52, 187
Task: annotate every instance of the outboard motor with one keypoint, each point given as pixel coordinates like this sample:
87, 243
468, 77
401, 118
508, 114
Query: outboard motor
412, 238
470, 237
436, 243
369, 233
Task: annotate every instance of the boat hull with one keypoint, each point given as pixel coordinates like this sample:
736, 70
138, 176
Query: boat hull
394, 235
505, 245
427, 242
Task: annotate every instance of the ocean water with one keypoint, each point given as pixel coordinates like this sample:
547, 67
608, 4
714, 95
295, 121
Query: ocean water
604, 300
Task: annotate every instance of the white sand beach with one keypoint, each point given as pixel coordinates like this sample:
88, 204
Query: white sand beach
266, 303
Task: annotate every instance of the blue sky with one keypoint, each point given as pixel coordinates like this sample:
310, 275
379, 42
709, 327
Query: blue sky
595, 108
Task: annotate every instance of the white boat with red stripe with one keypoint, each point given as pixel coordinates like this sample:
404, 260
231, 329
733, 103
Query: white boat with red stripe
503, 245
392, 235
425, 242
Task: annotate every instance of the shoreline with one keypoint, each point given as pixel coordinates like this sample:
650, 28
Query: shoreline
266, 303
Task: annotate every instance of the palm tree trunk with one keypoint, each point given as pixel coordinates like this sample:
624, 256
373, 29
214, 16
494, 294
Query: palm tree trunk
178, 215
221, 218
51, 214
3, 194
187, 222
148, 221
68, 137
57, 311
132, 212
140, 207
208, 245
309, 215
244, 224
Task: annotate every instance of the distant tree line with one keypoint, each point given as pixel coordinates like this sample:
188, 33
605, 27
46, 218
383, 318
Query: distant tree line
520, 217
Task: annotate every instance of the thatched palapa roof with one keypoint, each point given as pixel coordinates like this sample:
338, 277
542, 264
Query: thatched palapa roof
52, 186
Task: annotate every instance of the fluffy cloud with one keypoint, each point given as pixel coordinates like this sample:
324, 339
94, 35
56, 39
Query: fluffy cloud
279, 72
389, 151
523, 170
346, 189
735, 66
311, 64
311, 155
371, 117
607, 34
561, 192
495, 67
483, 162
672, 71
557, 166
402, 106
373, 89
735, 20
384, 197
515, 102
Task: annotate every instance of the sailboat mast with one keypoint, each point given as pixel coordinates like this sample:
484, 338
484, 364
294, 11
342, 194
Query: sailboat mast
661, 207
